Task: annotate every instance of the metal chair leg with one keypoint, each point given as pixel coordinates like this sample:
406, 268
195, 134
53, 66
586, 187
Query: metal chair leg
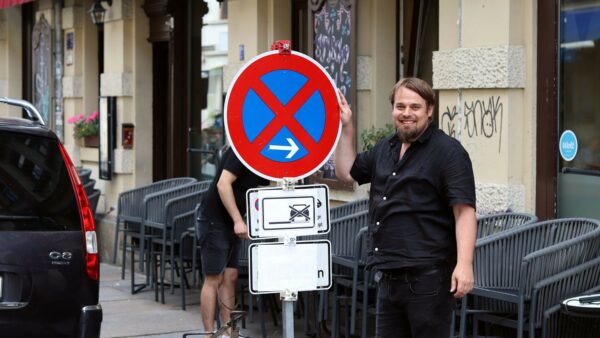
116, 241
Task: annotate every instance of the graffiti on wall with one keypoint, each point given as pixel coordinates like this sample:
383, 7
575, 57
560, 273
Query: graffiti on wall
333, 28
480, 118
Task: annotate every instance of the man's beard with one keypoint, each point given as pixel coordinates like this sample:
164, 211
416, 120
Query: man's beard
408, 136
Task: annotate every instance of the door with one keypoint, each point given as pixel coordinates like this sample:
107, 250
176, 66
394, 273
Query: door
578, 189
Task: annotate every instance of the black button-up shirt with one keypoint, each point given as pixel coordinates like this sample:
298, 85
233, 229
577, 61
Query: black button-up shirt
411, 218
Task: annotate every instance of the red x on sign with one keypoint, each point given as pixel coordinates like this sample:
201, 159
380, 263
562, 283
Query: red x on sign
282, 115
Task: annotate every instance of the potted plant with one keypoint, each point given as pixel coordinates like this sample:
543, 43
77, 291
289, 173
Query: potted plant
370, 137
86, 128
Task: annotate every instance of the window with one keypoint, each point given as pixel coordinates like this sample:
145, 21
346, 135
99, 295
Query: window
579, 104
35, 189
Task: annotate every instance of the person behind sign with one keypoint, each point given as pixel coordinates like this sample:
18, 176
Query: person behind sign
422, 223
220, 229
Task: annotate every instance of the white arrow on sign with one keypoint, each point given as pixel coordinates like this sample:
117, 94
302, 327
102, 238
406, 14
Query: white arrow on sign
292, 148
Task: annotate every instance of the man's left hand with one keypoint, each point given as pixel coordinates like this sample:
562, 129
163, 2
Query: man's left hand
462, 280
240, 229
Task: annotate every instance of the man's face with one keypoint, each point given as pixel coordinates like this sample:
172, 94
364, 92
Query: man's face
411, 114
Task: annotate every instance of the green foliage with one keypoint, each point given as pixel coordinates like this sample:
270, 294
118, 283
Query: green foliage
371, 136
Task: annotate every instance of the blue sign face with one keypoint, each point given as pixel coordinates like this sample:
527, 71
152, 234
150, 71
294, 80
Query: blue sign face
294, 137
568, 145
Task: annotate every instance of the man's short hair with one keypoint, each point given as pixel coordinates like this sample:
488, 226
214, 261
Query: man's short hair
418, 86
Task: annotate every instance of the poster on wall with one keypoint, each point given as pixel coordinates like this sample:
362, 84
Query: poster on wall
333, 41
42, 68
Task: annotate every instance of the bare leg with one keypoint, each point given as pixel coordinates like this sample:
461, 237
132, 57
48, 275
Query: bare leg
227, 293
208, 301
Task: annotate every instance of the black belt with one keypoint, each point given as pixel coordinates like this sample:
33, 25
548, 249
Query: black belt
411, 271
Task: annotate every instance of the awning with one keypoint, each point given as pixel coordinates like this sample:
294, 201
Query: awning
10, 3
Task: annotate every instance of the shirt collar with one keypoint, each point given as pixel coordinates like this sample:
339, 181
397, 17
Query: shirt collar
427, 133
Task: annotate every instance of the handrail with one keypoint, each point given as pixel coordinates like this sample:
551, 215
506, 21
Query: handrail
588, 172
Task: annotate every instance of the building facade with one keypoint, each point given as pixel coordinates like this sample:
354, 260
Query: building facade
511, 77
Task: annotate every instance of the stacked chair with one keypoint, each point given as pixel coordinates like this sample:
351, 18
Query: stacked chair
162, 227
129, 207
264, 302
349, 255
188, 241
348, 224
522, 274
130, 216
189, 252
576, 281
158, 212
495, 223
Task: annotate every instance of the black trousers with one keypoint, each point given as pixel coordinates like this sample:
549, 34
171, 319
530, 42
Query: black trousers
414, 303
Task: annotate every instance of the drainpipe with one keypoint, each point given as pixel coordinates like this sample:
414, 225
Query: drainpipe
459, 98
58, 69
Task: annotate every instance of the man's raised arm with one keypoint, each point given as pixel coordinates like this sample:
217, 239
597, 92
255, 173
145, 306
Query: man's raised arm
345, 152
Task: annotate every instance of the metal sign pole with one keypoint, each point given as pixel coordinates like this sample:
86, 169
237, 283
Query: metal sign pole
287, 299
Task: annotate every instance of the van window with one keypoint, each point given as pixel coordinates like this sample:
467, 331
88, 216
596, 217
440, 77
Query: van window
36, 193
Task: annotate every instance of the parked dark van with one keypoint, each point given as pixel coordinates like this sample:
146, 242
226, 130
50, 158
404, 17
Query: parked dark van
49, 269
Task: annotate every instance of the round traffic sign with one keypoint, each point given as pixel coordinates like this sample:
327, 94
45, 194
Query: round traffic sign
282, 115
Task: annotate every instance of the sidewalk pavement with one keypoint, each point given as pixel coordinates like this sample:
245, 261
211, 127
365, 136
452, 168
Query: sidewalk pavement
127, 315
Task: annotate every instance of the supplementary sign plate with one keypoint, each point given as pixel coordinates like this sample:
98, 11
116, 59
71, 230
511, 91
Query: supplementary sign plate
301, 266
275, 212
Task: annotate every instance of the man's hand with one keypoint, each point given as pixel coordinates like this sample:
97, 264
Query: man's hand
466, 233
462, 280
240, 229
345, 152
345, 111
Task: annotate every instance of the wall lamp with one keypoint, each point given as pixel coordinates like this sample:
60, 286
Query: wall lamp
97, 12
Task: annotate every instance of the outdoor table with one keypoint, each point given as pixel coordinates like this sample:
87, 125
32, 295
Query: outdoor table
582, 306
581, 316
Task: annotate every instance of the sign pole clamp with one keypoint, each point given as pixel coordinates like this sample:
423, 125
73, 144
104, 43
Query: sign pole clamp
288, 183
288, 241
289, 295
283, 46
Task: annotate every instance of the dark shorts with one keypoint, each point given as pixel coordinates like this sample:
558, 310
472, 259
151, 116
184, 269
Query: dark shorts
219, 246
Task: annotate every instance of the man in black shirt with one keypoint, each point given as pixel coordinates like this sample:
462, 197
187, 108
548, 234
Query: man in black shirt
220, 229
422, 227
